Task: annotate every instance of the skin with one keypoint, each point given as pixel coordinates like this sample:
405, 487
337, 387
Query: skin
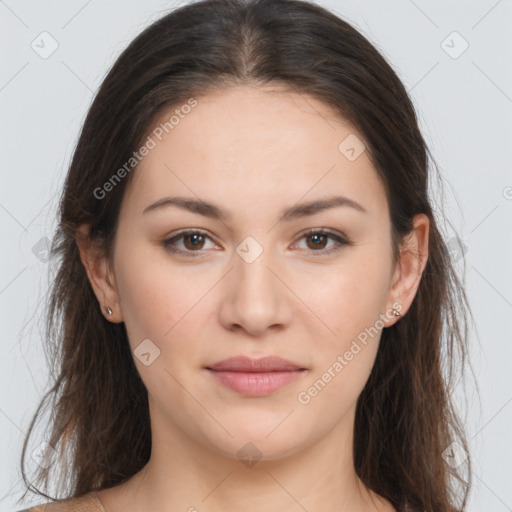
253, 151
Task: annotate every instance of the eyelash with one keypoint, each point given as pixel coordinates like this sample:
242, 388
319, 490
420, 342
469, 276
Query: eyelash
340, 241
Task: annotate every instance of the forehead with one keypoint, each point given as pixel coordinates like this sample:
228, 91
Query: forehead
246, 145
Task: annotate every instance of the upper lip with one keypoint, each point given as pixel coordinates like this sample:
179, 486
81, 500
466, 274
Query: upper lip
247, 364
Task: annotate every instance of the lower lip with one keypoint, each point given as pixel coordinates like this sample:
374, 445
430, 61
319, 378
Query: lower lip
256, 384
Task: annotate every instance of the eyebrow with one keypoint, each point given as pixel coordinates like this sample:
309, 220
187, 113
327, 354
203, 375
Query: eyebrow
216, 212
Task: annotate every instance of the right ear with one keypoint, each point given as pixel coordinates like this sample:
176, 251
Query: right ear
99, 273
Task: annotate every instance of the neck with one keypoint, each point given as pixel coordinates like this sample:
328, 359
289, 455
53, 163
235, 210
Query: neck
184, 475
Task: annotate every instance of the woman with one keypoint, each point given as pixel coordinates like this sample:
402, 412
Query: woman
258, 311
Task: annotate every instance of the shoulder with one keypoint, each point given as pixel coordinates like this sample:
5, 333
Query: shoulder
87, 503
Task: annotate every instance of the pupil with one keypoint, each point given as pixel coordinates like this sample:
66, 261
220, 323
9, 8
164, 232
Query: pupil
317, 239
194, 239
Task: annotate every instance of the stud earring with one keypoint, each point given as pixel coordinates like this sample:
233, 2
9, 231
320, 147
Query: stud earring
396, 312
109, 311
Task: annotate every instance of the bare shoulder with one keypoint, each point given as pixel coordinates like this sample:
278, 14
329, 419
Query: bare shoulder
87, 503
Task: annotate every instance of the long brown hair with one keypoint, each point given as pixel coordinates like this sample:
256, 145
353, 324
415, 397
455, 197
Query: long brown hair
405, 420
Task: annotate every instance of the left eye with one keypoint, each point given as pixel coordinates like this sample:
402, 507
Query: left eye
318, 237
194, 242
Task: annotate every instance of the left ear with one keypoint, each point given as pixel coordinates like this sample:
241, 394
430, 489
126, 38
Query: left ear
410, 265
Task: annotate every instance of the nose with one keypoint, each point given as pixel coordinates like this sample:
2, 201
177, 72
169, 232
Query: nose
256, 298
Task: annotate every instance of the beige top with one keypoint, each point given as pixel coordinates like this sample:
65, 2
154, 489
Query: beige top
87, 503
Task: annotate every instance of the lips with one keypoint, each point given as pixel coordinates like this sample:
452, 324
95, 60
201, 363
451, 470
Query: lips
246, 364
255, 377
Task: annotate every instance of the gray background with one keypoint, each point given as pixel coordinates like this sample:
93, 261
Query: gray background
464, 101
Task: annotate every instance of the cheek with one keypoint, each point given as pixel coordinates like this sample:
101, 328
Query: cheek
144, 303
153, 294
348, 302
346, 299
164, 304
345, 357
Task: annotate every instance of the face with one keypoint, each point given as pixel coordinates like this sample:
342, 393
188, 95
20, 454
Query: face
314, 286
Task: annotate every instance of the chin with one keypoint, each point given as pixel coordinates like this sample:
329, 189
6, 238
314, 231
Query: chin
260, 441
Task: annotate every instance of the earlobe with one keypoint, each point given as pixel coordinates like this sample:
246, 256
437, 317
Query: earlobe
410, 265
101, 278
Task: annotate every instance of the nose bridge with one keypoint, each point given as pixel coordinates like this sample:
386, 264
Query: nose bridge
256, 298
252, 261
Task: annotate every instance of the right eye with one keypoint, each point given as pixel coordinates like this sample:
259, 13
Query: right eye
194, 242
